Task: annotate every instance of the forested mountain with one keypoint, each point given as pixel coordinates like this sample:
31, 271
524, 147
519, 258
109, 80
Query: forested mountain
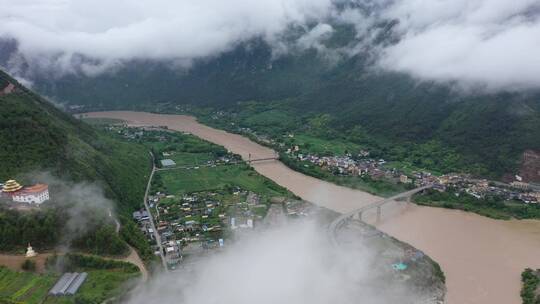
492, 130
36, 137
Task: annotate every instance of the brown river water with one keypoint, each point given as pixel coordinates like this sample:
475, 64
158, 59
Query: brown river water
482, 258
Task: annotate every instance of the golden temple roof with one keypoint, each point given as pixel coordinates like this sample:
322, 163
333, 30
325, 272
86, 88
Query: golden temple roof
11, 186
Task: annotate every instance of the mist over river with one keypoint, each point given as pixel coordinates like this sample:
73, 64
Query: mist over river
482, 258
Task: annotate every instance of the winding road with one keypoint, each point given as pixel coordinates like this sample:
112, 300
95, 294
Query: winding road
132, 257
152, 222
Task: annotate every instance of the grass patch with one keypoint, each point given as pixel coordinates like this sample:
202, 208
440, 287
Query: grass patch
106, 279
321, 146
220, 177
185, 158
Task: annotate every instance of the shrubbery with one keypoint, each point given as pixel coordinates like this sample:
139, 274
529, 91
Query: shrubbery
530, 281
28, 265
94, 262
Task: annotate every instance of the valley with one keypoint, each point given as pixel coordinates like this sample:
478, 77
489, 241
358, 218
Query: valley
270, 151
477, 254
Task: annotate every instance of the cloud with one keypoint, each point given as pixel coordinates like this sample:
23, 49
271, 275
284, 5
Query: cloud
147, 29
289, 264
314, 38
490, 44
487, 43
85, 204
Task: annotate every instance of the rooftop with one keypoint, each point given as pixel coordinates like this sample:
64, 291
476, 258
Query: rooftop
11, 186
37, 188
168, 162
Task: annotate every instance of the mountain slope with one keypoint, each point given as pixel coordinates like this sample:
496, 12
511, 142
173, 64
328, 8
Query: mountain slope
36, 136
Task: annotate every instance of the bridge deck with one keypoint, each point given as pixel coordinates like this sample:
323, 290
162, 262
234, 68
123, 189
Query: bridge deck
337, 223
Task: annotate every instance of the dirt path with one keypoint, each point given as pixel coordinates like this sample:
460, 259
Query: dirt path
134, 258
14, 261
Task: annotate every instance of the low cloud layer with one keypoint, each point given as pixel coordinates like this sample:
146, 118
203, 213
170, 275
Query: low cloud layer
148, 29
491, 43
482, 43
290, 264
85, 204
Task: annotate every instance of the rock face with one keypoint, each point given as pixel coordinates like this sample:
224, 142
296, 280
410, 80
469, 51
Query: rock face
530, 166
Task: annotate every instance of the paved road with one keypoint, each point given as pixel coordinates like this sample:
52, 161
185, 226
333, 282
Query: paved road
152, 223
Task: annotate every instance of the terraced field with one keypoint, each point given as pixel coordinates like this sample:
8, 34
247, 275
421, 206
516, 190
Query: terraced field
24, 286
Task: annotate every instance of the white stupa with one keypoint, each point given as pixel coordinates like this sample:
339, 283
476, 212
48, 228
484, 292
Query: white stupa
30, 252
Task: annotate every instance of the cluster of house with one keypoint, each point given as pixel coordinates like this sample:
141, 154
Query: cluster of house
36, 194
347, 165
481, 188
362, 165
376, 169
133, 133
195, 222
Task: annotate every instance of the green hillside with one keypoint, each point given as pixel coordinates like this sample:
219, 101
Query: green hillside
37, 137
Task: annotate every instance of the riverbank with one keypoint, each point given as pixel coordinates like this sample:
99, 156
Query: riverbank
482, 258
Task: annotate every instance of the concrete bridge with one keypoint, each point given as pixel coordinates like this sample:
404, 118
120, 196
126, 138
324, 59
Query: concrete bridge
339, 222
250, 161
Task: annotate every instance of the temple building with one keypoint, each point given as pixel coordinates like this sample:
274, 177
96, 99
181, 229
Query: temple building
36, 194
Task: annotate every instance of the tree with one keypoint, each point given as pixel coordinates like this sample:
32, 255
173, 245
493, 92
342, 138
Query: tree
28, 265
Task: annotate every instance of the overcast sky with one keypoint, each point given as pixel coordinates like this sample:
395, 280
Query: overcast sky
490, 43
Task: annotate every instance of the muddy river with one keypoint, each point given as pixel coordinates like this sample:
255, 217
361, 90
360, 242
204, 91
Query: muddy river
482, 258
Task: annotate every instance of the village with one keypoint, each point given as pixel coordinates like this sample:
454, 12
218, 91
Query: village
197, 224
187, 221
362, 165
193, 225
